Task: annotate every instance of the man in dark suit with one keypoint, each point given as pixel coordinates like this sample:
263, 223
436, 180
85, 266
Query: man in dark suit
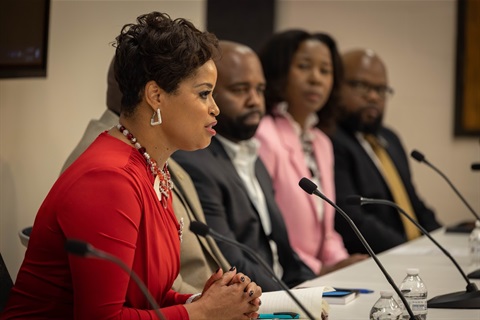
370, 160
233, 185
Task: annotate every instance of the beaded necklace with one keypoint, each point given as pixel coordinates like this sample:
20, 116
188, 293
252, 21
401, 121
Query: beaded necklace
163, 174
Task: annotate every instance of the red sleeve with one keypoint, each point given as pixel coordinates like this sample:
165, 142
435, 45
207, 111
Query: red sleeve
174, 297
175, 300
105, 211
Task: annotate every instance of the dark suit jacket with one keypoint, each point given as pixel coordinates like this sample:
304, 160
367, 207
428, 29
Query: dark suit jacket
199, 256
356, 174
229, 211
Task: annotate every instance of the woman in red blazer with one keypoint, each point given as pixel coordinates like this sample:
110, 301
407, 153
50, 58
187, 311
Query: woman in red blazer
117, 194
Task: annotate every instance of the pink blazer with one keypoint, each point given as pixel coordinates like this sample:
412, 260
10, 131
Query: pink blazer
315, 241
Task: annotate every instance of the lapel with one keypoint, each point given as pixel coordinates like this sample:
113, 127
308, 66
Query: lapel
276, 218
265, 183
318, 151
226, 165
291, 143
185, 192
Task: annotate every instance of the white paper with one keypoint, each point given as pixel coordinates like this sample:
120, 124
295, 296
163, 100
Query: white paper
280, 301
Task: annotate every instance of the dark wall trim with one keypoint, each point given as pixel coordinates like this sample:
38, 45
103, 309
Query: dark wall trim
250, 22
467, 94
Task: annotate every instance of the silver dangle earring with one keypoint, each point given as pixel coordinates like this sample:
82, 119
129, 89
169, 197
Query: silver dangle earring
152, 120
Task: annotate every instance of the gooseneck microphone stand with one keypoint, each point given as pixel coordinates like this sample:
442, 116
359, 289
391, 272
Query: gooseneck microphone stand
469, 299
311, 188
84, 249
417, 155
203, 230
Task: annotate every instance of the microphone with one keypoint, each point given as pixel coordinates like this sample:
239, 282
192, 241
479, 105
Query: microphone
203, 230
417, 155
457, 300
311, 188
476, 166
421, 158
85, 249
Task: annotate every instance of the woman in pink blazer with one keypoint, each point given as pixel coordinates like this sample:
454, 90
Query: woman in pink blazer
303, 71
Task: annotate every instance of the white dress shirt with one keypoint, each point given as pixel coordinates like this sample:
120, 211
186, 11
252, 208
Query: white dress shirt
244, 155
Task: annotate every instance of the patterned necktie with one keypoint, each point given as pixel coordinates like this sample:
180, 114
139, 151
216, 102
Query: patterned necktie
397, 188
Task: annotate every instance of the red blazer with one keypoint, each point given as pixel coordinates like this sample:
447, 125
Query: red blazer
105, 198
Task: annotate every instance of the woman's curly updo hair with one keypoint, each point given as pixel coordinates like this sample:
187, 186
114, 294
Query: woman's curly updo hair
160, 49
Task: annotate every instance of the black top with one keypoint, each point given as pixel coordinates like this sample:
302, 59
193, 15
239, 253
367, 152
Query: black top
356, 174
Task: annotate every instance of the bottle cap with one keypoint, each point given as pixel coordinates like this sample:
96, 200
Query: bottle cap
412, 271
386, 294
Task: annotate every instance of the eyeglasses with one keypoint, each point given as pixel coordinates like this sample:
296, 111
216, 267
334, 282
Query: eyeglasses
363, 88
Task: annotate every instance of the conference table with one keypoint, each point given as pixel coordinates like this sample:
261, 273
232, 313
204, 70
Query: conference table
437, 271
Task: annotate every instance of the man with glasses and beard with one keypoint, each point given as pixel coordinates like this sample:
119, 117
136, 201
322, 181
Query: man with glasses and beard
233, 185
371, 162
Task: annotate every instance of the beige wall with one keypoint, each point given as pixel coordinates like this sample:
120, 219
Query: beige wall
417, 41
41, 120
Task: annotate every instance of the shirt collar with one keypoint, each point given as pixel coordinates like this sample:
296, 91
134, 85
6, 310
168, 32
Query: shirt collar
246, 149
282, 110
381, 140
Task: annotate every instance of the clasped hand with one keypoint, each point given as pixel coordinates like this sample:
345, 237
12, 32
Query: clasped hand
225, 296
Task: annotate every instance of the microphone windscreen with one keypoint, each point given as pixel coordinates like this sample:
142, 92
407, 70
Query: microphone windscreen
77, 247
354, 200
199, 228
417, 155
307, 185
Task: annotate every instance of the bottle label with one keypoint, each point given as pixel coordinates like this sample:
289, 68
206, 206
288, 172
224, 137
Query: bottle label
418, 306
475, 252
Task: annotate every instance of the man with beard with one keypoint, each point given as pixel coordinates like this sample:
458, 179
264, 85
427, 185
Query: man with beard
233, 184
370, 161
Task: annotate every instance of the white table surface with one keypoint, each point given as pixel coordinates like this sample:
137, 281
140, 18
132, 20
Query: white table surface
437, 271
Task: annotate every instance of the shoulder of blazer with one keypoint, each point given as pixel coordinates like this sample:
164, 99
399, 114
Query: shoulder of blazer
216, 148
321, 139
185, 158
341, 134
390, 136
274, 129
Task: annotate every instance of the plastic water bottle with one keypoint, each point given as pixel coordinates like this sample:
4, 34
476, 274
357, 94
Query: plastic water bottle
415, 292
386, 308
474, 244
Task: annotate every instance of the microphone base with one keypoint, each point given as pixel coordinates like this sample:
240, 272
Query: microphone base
474, 274
456, 300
